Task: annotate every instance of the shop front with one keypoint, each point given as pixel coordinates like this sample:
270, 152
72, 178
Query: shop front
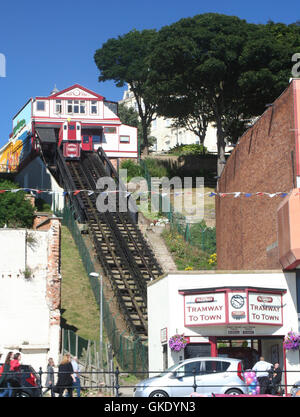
247, 318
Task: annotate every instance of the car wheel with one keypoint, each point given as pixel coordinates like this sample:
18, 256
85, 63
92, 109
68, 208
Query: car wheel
233, 391
158, 393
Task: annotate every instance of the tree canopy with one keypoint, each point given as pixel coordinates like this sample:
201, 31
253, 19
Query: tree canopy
210, 68
124, 60
15, 210
224, 63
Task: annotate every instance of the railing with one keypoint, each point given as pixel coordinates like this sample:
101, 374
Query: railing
117, 387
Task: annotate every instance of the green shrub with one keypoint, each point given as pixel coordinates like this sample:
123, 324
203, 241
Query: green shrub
15, 209
133, 169
193, 149
156, 168
42, 206
185, 255
203, 237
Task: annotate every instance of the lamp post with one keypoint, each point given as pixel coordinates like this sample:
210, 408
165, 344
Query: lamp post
96, 275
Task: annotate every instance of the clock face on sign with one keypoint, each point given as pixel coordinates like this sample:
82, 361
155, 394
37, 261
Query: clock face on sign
237, 301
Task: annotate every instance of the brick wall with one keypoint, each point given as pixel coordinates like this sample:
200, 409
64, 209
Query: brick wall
263, 161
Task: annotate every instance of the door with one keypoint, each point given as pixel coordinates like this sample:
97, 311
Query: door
214, 377
72, 131
87, 143
182, 384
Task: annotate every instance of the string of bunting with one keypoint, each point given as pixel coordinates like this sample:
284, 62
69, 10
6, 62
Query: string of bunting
209, 194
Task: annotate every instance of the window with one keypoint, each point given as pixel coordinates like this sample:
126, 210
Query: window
82, 106
96, 139
58, 106
110, 130
70, 106
188, 369
40, 105
94, 109
71, 127
76, 106
124, 139
216, 366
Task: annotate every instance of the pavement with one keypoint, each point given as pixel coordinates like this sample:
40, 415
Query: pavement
126, 391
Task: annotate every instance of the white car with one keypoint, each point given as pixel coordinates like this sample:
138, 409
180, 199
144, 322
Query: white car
204, 375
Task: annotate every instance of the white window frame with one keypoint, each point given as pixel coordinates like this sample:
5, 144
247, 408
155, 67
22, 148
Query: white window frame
40, 102
58, 105
69, 103
76, 103
95, 105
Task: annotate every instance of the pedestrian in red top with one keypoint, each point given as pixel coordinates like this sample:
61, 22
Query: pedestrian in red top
15, 362
15, 366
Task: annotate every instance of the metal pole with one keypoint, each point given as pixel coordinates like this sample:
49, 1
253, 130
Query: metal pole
101, 321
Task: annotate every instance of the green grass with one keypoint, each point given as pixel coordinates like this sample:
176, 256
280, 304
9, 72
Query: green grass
77, 298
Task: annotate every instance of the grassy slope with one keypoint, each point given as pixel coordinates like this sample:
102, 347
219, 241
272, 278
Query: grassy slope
77, 298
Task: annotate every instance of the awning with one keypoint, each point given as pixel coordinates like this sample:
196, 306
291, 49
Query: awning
46, 134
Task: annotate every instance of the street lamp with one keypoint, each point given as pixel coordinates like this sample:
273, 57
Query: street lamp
96, 275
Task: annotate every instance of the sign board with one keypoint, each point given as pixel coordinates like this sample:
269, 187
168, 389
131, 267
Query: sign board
265, 308
240, 331
164, 335
233, 307
205, 309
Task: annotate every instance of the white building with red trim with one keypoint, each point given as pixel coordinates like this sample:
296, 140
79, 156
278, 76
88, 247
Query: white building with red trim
239, 314
100, 124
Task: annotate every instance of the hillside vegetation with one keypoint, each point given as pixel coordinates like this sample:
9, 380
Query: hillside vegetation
77, 299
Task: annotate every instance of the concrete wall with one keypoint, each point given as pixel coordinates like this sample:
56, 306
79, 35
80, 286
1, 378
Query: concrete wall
166, 310
263, 161
36, 175
29, 308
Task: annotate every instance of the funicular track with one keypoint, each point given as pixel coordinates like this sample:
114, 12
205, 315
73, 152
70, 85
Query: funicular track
122, 251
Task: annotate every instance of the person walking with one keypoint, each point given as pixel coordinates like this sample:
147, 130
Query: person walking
5, 376
275, 379
65, 376
50, 377
15, 367
76, 368
262, 369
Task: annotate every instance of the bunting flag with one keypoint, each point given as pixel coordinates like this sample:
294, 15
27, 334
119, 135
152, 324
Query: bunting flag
234, 194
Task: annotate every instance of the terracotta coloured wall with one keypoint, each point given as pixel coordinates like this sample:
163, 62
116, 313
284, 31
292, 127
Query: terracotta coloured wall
263, 161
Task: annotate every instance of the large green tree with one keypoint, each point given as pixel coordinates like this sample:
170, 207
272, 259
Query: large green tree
223, 65
15, 209
124, 60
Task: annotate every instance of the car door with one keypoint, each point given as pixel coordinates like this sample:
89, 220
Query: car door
214, 377
182, 383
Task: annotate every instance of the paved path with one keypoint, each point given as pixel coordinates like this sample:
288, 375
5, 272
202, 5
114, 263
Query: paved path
157, 244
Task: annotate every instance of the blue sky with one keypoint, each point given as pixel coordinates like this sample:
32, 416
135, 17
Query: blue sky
47, 43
